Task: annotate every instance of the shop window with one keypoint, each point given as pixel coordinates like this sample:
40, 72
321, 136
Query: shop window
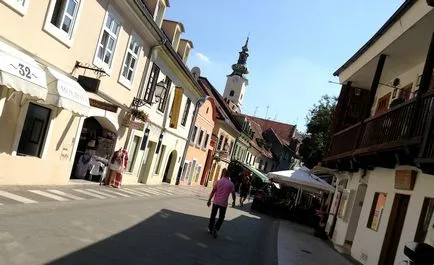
200, 138
130, 60
160, 160
62, 19
34, 131
152, 82
376, 210
193, 135
186, 111
197, 173
425, 228
108, 40
18, 5
185, 170
134, 149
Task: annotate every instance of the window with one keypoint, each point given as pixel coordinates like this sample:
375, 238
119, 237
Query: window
265, 166
193, 135
225, 145
383, 104
405, 92
199, 140
134, 148
205, 143
376, 210
241, 96
152, 82
34, 130
160, 160
231, 94
18, 5
220, 144
130, 60
186, 111
159, 13
425, 228
62, 19
108, 40
163, 100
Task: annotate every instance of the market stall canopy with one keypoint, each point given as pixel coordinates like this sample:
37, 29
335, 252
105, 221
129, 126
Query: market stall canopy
301, 178
21, 72
65, 92
255, 172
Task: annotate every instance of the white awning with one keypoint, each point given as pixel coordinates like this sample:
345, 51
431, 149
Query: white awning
65, 92
21, 72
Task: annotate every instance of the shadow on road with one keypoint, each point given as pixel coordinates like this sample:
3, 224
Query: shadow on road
170, 237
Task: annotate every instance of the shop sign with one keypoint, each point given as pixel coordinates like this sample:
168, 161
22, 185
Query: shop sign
405, 179
22, 69
145, 140
103, 105
132, 123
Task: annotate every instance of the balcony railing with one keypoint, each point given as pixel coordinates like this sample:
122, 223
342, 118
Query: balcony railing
402, 125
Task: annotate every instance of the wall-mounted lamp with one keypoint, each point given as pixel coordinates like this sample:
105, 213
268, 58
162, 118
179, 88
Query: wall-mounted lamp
160, 88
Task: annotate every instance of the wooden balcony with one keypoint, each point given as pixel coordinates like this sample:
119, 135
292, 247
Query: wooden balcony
402, 127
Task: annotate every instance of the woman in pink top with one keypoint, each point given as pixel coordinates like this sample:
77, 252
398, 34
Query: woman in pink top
221, 191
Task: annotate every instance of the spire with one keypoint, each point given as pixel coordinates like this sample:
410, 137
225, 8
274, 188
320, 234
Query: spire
240, 67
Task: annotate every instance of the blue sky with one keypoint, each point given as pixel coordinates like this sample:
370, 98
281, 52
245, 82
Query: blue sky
295, 46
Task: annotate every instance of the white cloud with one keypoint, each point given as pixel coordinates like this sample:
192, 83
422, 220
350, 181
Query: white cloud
202, 57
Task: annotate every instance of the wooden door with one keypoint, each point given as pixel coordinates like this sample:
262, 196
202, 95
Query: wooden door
394, 229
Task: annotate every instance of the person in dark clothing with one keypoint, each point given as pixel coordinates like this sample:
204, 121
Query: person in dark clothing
244, 189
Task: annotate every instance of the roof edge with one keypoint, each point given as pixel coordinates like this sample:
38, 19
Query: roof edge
397, 15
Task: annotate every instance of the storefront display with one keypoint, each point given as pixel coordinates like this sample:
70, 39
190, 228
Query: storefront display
94, 150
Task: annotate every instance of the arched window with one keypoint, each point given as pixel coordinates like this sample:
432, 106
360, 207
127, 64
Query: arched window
232, 93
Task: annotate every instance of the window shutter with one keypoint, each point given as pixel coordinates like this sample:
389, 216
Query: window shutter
176, 107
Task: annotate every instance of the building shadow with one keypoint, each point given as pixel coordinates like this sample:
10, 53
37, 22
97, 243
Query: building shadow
170, 237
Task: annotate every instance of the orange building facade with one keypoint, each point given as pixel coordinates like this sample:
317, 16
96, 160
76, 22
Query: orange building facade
200, 151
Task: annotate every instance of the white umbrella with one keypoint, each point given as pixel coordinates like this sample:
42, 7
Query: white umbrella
301, 178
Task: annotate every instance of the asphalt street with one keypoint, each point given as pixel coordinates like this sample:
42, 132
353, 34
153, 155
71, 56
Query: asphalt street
169, 229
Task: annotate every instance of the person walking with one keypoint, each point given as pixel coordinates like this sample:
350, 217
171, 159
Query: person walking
244, 189
221, 191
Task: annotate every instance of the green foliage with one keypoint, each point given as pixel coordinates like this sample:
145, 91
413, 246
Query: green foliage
318, 123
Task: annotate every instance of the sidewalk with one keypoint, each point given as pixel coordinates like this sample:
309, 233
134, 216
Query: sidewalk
296, 245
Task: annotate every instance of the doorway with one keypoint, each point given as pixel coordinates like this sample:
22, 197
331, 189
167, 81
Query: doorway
355, 214
96, 143
205, 174
146, 168
394, 229
170, 166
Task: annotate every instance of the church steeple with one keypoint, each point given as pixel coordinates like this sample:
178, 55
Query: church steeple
240, 67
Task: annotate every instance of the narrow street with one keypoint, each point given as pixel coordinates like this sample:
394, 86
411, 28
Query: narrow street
165, 226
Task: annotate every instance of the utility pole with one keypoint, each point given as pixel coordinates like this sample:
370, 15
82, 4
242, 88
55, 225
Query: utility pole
266, 113
256, 109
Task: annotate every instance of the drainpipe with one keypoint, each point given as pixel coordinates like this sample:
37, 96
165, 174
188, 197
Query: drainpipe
193, 121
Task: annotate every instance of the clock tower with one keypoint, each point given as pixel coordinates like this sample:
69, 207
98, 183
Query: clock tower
237, 82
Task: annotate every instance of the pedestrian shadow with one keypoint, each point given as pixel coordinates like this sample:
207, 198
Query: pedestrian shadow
170, 237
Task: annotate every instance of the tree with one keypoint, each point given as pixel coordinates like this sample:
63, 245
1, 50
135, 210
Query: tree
318, 124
